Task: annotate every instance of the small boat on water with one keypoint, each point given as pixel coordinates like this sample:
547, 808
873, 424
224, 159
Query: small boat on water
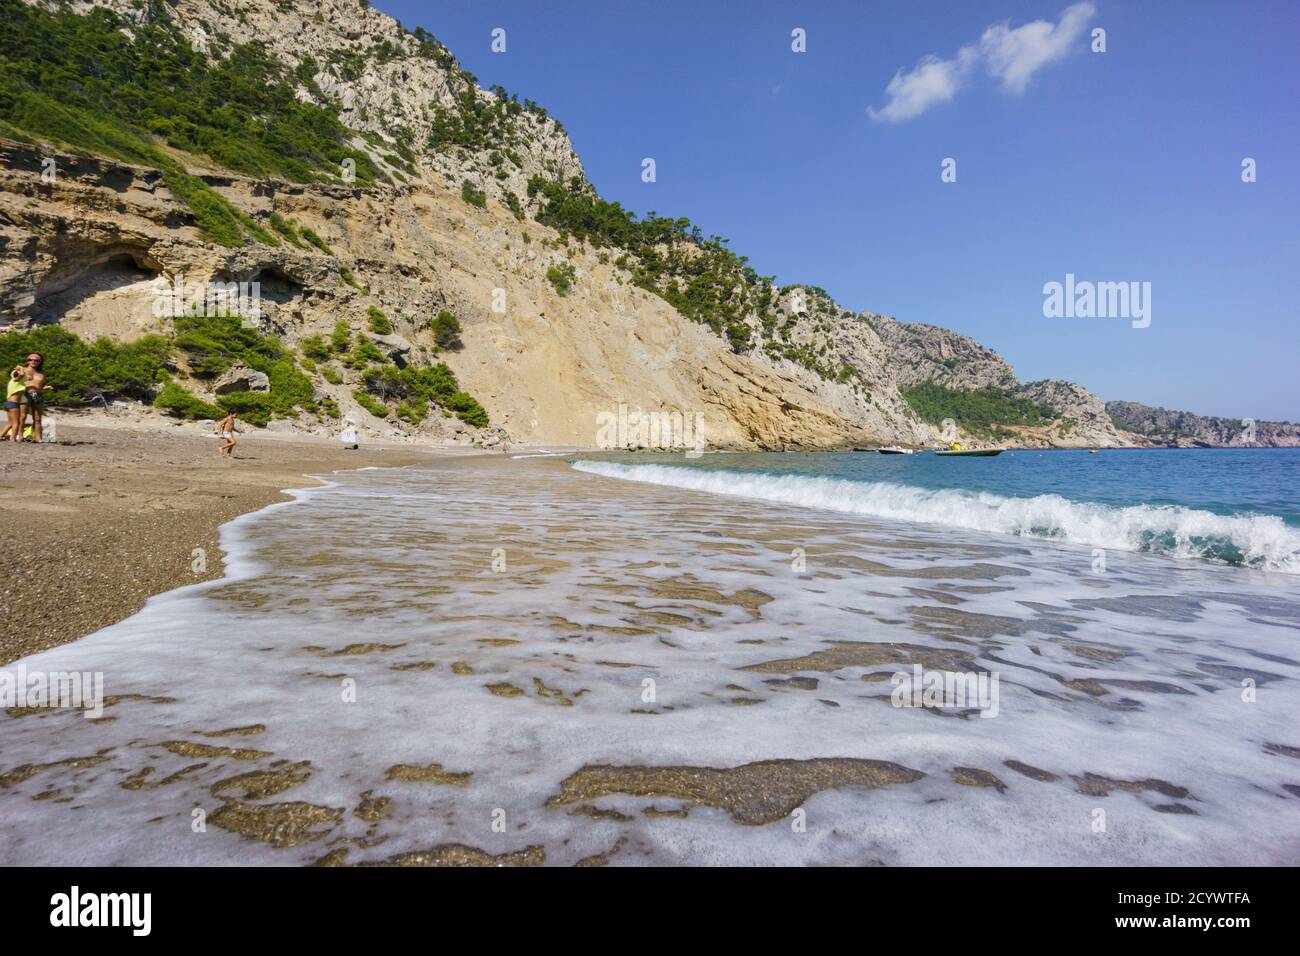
956, 450
894, 450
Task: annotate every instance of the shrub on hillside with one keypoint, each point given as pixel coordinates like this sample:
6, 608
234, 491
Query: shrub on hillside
340, 338
315, 347
467, 409
561, 276
473, 196
380, 324
370, 405
82, 372
178, 401
446, 330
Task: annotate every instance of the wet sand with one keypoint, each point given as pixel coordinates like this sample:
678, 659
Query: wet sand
108, 516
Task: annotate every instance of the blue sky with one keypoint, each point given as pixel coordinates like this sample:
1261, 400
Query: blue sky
1115, 166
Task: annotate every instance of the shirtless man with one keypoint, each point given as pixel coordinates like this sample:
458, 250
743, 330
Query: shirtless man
34, 379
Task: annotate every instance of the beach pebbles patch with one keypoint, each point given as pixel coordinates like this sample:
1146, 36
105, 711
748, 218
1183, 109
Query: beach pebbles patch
432, 773
1095, 652
187, 748
247, 731
602, 859
353, 650
1032, 772
372, 809
279, 824
29, 770
1095, 785
453, 854
983, 626
753, 794
598, 813
975, 777
1085, 684
140, 779
260, 784
793, 683
867, 654
552, 693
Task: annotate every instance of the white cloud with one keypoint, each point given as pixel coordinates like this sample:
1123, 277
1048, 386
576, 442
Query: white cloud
931, 82
1010, 56
1014, 56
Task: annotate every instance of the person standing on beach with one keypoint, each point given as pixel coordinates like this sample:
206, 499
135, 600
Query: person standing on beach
226, 429
15, 405
34, 378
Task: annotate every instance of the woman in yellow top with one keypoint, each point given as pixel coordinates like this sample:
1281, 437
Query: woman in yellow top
15, 402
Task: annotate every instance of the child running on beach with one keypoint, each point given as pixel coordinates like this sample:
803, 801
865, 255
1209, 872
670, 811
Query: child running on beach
226, 429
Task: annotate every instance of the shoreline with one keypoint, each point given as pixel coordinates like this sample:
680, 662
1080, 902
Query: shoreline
111, 515
770, 688
117, 512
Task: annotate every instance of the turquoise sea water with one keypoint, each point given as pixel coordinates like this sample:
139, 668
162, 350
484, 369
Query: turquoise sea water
1235, 506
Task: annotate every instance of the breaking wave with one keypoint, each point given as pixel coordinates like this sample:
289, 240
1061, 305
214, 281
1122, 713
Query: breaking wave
1257, 541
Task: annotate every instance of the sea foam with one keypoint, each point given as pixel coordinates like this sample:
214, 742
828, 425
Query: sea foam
1256, 541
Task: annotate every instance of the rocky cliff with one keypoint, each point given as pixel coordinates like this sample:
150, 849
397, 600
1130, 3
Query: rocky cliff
422, 194
1186, 430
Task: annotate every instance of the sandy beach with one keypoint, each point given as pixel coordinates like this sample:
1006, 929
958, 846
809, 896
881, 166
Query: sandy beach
113, 513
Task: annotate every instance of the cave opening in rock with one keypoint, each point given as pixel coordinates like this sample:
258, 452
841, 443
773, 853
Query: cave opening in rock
72, 284
115, 288
276, 286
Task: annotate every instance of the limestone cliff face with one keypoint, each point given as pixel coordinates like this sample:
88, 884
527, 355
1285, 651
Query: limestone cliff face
1081, 419
1185, 430
92, 249
925, 353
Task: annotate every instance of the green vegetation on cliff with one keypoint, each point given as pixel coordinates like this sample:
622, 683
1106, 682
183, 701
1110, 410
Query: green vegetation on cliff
101, 84
701, 278
415, 389
980, 411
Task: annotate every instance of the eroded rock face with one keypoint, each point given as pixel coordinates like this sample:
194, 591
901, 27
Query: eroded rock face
1186, 430
396, 347
923, 353
95, 249
1081, 422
